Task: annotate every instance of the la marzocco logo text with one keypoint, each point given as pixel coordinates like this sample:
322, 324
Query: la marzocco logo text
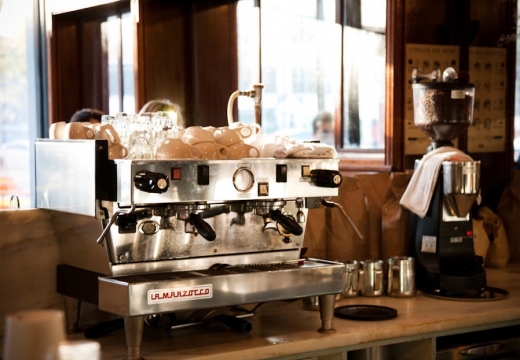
180, 294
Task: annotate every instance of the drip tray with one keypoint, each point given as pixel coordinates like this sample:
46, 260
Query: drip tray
488, 294
365, 312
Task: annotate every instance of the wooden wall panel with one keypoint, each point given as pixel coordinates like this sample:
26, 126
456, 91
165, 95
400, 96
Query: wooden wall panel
66, 73
163, 38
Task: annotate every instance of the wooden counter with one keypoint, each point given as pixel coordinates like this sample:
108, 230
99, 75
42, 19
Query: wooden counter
284, 330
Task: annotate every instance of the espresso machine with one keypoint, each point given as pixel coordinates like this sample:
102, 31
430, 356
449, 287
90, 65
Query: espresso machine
182, 235
443, 238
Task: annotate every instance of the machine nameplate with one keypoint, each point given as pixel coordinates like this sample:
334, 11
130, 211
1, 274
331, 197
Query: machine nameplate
456, 239
159, 296
429, 244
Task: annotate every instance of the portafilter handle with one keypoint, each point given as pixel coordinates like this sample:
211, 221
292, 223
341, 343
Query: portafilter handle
336, 205
203, 228
287, 222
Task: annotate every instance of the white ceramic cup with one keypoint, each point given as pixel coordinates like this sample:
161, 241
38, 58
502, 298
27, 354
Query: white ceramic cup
76, 131
78, 350
117, 151
176, 149
241, 151
212, 151
227, 136
106, 132
246, 130
197, 134
33, 334
56, 130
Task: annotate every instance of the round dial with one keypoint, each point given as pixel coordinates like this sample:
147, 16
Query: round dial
243, 179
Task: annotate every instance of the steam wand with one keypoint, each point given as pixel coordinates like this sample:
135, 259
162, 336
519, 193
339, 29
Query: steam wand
112, 221
333, 204
256, 93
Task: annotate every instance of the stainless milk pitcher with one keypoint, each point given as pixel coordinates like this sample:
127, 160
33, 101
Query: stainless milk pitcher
371, 278
401, 276
351, 279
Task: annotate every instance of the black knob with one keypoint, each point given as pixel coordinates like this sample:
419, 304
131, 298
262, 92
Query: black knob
326, 178
151, 182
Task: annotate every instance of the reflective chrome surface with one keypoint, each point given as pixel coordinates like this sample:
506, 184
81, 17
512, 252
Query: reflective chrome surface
190, 234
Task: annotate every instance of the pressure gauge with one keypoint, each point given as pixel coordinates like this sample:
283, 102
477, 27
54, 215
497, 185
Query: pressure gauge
243, 179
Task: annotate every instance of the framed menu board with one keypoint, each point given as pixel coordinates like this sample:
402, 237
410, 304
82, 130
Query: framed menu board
487, 70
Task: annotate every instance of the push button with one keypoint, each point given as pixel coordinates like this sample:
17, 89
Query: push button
203, 174
176, 174
281, 173
263, 189
306, 171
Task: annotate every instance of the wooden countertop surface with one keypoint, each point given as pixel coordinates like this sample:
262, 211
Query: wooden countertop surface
283, 328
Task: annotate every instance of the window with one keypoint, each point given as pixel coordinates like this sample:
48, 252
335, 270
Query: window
120, 62
18, 100
315, 70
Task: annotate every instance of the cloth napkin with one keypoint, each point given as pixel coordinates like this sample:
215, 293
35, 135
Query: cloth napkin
419, 191
306, 151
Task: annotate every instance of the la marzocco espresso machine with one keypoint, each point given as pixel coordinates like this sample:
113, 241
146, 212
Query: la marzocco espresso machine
443, 241
186, 234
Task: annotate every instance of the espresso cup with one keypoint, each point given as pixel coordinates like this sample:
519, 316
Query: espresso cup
241, 151
117, 151
56, 130
246, 130
401, 276
212, 151
106, 132
371, 278
176, 149
226, 136
197, 134
76, 131
78, 350
33, 334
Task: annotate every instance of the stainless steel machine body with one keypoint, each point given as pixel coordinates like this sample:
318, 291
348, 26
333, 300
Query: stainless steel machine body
189, 234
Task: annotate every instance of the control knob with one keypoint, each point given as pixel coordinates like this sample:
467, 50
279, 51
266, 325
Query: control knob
151, 182
326, 178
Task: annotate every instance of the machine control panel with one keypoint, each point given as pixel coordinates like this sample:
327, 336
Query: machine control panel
170, 181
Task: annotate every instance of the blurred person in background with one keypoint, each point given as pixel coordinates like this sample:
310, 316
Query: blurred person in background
323, 128
87, 115
166, 106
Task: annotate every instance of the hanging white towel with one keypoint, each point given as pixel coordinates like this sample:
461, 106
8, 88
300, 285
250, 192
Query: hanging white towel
419, 191
306, 151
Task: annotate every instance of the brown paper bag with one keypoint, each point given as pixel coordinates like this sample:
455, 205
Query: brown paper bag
498, 253
314, 244
509, 211
480, 239
342, 241
395, 219
374, 187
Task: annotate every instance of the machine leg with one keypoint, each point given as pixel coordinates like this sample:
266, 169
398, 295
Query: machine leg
72, 308
134, 327
327, 303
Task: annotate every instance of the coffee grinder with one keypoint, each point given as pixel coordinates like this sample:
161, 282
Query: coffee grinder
443, 239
